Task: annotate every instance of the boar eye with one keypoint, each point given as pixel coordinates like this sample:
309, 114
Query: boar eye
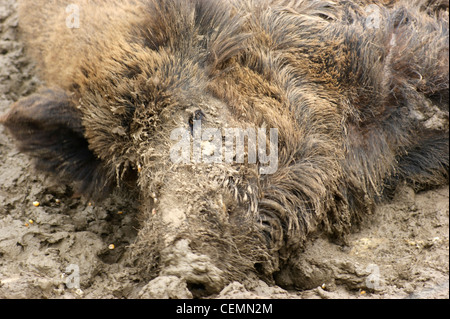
196, 116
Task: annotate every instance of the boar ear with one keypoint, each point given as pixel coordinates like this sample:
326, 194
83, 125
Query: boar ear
49, 128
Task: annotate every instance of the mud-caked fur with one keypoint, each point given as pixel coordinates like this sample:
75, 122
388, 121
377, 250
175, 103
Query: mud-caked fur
360, 105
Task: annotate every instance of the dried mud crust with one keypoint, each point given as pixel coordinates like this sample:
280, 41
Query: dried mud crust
401, 251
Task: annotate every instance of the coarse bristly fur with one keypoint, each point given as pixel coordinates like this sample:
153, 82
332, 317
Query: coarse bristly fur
357, 90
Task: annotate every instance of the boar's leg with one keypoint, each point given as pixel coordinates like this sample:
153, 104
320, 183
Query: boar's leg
49, 128
426, 164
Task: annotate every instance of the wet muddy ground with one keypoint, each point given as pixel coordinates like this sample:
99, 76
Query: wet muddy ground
49, 234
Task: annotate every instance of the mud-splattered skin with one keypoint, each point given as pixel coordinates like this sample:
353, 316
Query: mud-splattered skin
360, 104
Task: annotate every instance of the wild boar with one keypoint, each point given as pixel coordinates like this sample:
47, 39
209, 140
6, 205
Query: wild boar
170, 98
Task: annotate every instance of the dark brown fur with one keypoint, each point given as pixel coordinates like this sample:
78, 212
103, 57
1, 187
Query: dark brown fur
353, 105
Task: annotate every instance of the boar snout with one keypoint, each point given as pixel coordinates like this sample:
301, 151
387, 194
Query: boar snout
179, 223
202, 277
203, 234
